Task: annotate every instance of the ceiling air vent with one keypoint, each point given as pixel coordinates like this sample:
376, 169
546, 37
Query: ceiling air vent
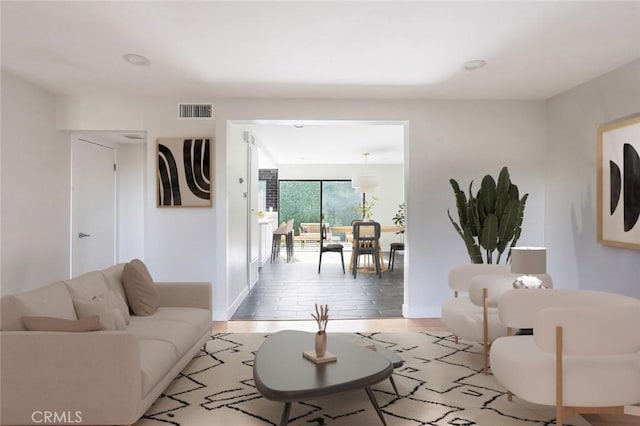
195, 110
133, 136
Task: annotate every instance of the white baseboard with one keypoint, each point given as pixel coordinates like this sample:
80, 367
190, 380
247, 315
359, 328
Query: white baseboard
236, 303
414, 311
220, 315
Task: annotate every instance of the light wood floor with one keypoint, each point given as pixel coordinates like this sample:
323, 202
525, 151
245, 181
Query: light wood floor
396, 325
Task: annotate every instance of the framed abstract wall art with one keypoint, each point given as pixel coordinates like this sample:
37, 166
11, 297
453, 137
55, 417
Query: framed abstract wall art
185, 172
619, 183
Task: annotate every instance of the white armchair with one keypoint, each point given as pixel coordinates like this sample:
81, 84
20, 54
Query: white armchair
472, 314
583, 356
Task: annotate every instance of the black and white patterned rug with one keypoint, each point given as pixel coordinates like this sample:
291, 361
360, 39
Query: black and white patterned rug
441, 383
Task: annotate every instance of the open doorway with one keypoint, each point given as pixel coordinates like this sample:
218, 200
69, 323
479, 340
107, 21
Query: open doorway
322, 154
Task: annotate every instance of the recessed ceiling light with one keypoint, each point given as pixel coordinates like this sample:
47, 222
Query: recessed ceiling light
474, 65
298, 126
135, 59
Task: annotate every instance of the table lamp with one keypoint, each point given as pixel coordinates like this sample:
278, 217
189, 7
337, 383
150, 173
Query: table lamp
528, 261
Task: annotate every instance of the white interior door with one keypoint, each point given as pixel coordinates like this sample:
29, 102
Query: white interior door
93, 227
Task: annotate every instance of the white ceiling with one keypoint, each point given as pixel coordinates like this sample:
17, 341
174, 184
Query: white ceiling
203, 50
331, 142
339, 49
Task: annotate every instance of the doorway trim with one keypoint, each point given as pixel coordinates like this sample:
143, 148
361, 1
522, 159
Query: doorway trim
230, 309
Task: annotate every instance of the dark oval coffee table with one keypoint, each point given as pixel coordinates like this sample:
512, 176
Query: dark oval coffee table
282, 374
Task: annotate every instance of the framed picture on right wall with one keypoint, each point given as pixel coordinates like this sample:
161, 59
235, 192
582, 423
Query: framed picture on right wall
619, 183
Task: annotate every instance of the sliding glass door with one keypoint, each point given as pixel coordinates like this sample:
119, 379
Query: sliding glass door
306, 201
300, 201
339, 201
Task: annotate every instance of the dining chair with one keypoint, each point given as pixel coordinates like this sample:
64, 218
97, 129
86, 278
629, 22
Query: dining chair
331, 247
366, 240
289, 239
394, 247
276, 240
286, 230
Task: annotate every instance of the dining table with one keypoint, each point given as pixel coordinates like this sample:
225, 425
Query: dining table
383, 228
368, 267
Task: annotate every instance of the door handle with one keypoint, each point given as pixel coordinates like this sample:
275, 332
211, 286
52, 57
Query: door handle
83, 235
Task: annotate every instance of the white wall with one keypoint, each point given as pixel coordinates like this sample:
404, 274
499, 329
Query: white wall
131, 160
574, 257
179, 242
36, 183
99, 113
461, 139
446, 139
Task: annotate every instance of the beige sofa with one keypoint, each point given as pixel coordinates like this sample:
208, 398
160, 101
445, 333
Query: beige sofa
98, 377
311, 232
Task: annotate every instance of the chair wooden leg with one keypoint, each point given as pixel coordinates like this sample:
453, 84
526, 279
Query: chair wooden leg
485, 330
509, 396
320, 261
559, 418
455, 339
559, 391
342, 259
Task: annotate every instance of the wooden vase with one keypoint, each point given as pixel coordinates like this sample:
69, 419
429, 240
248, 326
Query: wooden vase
321, 344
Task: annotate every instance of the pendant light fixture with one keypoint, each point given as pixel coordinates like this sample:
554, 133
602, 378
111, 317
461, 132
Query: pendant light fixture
365, 181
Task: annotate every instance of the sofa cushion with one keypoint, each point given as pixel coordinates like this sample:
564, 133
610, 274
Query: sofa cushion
142, 293
93, 284
110, 318
113, 277
52, 300
181, 335
87, 286
10, 314
197, 318
89, 323
157, 358
113, 300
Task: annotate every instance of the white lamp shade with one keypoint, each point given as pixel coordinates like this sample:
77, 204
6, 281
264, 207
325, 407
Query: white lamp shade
529, 260
364, 181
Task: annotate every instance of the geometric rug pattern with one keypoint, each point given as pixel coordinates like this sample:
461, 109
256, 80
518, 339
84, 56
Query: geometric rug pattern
440, 383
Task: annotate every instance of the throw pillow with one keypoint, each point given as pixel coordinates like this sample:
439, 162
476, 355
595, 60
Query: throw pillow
142, 293
110, 318
88, 323
113, 300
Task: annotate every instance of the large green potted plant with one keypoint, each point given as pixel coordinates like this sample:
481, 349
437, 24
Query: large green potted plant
492, 219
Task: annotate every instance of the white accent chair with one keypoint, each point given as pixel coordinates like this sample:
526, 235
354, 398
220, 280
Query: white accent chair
475, 317
583, 356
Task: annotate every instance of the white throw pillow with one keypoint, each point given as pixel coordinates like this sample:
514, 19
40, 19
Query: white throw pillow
115, 300
110, 318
